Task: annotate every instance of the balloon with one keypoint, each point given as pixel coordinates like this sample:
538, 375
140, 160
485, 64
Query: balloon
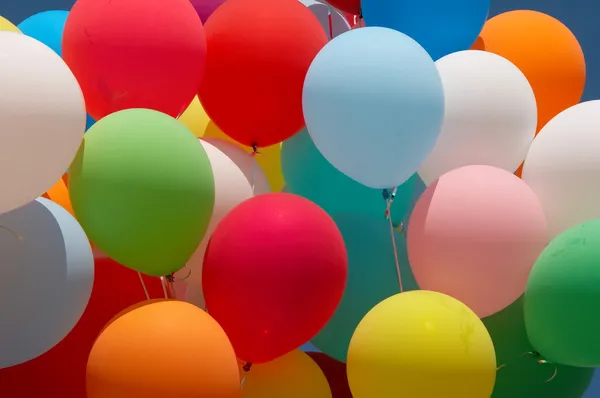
421, 344
380, 131
143, 190
307, 173
274, 273
349, 6
59, 194
332, 21
6, 25
231, 189
47, 255
89, 122
205, 8
268, 158
60, 372
134, 356
520, 375
594, 387
547, 53
253, 84
42, 119
562, 166
561, 296
294, 375
194, 118
46, 27
490, 115
372, 277
474, 235
441, 27
135, 54
335, 372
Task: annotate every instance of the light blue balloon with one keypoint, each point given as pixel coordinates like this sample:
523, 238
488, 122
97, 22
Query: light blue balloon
47, 27
373, 103
372, 277
307, 173
440, 26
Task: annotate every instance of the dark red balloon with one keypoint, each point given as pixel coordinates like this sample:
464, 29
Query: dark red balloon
274, 273
335, 372
259, 52
135, 54
61, 371
349, 6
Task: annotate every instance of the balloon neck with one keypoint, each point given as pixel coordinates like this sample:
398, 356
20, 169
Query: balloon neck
247, 366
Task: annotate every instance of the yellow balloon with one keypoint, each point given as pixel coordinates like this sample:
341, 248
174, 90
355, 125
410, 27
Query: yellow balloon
294, 375
5, 24
194, 118
269, 158
421, 344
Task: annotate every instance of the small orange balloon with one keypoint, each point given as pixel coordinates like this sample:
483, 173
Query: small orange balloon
545, 51
163, 348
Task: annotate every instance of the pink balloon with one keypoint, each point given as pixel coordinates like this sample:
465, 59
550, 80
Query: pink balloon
474, 235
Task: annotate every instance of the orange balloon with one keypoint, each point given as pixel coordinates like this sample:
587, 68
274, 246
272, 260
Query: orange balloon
163, 348
545, 51
60, 194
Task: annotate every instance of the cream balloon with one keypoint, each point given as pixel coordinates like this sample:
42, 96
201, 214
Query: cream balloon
46, 279
563, 167
333, 22
490, 117
231, 189
42, 119
246, 162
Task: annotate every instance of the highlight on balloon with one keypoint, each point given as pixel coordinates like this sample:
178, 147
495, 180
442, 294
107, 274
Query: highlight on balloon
299, 198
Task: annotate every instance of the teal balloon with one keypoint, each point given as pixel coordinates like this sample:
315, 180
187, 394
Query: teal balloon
307, 173
47, 27
372, 277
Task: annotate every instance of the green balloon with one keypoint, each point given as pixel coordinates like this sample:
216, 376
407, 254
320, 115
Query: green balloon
307, 173
520, 375
142, 188
562, 297
372, 277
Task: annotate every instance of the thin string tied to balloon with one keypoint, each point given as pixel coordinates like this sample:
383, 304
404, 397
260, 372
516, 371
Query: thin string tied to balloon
144, 285
254, 153
389, 197
15, 234
246, 368
539, 360
330, 21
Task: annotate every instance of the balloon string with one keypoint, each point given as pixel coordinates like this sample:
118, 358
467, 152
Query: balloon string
144, 286
388, 214
163, 283
246, 368
16, 235
330, 19
254, 166
539, 360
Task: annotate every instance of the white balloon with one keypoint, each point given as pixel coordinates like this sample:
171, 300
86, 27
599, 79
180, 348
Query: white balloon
490, 117
563, 167
246, 162
231, 189
42, 119
333, 27
46, 279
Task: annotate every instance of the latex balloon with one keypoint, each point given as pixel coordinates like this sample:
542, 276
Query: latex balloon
372, 277
262, 259
440, 26
231, 189
59, 194
205, 8
43, 104
490, 118
128, 55
307, 173
130, 360
253, 172
350, 6
332, 21
560, 296
594, 387
268, 158
293, 375
6, 25
89, 122
142, 188
398, 100
520, 375
46, 251
60, 372
474, 235
46, 27
546, 51
561, 165
437, 347
194, 118
335, 372
253, 85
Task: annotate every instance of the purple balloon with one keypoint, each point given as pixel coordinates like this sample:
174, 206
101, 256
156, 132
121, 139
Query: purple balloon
205, 8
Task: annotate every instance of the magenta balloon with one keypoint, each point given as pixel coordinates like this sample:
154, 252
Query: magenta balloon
475, 235
205, 8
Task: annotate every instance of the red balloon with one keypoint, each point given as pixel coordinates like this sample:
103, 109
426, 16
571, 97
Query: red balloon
349, 6
259, 53
61, 371
274, 273
335, 372
135, 54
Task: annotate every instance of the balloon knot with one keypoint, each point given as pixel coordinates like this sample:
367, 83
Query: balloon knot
170, 278
255, 149
247, 366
